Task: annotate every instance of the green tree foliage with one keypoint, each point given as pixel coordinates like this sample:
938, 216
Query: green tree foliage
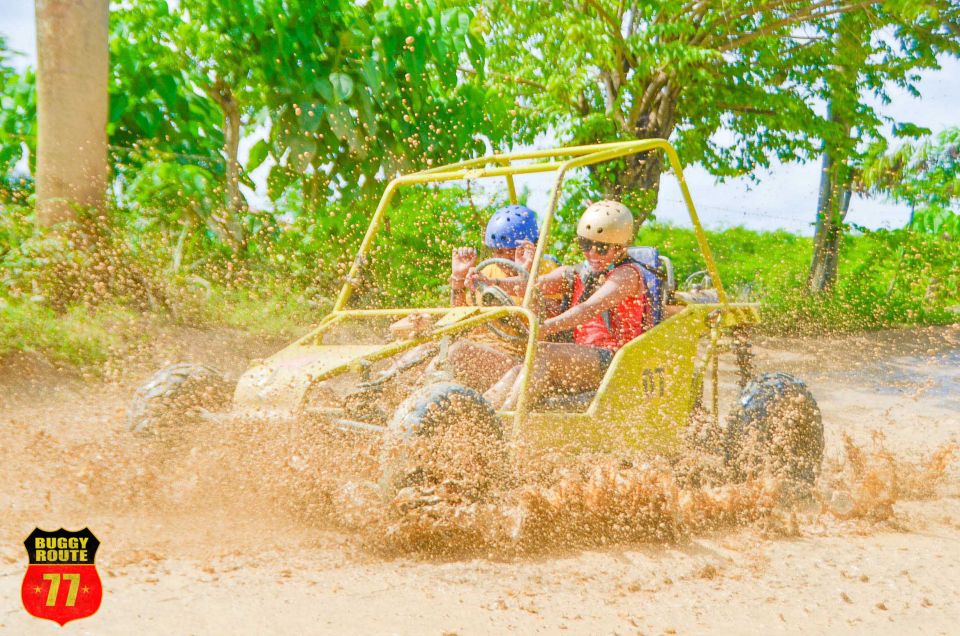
346, 94
925, 175
360, 93
154, 105
352, 90
734, 84
18, 117
872, 50
194, 49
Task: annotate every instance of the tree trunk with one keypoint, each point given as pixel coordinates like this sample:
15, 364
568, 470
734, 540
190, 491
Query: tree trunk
231, 130
230, 220
72, 69
836, 177
314, 188
638, 183
832, 206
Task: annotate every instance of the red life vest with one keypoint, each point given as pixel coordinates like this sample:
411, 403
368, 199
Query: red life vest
614, 328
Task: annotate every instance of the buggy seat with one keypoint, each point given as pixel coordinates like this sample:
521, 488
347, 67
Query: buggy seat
657, 275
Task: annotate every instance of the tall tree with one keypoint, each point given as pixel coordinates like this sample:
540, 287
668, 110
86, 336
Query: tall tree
842, 86
733, 84
72, 67
873, 49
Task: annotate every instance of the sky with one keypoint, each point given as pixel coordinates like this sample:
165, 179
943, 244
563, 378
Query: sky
783, 197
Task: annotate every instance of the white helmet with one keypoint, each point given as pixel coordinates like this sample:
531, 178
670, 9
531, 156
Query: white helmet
607, 222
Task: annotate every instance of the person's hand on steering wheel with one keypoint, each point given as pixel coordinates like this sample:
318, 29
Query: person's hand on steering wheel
487, 293
524, 254
475, 279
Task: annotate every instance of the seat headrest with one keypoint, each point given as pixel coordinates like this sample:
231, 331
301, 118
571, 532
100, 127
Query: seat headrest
646, 255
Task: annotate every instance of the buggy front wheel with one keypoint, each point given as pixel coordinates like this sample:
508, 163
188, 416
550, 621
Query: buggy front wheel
175, 395
443, 434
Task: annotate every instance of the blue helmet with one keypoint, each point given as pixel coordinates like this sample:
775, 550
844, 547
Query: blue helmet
511, 224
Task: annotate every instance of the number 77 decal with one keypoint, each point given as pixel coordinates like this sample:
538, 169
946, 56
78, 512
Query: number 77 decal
54, 578
61, 557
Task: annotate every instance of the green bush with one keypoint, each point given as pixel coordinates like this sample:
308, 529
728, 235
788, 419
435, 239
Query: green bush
58, 295
750, 263
79, 336
886, 278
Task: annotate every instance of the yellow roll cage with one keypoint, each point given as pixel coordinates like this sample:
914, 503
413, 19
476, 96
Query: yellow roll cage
560, 161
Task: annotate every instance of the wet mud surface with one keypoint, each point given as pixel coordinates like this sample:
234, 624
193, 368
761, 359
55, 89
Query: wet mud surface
253, 527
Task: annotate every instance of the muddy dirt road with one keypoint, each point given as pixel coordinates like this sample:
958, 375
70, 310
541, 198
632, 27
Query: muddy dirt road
187, 551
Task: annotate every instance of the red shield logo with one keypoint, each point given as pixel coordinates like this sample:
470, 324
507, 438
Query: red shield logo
61, 582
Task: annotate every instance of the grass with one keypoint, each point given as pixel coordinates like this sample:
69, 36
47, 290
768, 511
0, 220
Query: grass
86, 337
80, 337
886, 279
274, 313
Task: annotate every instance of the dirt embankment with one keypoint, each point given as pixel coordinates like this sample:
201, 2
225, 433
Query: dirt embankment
250, 529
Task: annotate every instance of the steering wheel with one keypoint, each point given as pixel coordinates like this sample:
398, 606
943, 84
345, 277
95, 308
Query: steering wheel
697, 281
509, 328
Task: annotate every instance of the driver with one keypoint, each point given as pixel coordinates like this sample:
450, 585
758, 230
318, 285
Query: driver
480, 360
508, 228
609, 307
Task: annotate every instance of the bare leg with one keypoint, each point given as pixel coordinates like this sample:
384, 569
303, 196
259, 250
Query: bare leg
559, 365
500, 391
478, 365
410, 359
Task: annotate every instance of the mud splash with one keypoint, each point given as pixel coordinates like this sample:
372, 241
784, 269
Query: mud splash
596, 501
307, 480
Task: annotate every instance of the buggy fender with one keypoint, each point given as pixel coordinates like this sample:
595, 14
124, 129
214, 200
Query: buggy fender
278, 384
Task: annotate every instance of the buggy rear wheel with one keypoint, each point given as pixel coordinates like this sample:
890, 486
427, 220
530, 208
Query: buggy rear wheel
443, 434
776, 425
175, 395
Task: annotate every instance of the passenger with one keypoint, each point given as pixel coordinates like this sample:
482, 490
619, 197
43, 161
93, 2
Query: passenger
609, 307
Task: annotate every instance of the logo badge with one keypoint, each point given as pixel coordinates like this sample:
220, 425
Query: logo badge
61, 582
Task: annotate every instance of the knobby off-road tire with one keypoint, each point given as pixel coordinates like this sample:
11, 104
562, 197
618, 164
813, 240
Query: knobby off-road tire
174, 396
443, 434
776, 425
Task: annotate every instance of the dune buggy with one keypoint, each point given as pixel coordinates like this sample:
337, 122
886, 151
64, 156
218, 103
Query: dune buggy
349, 373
